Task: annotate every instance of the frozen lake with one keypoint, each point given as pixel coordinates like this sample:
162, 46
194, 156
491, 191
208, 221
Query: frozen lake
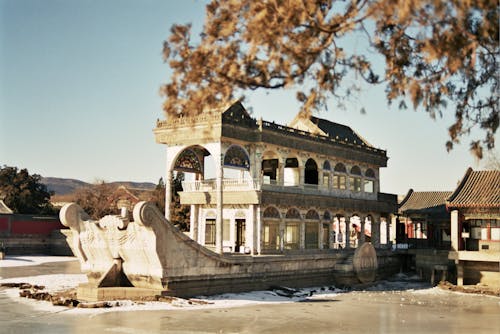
402, 305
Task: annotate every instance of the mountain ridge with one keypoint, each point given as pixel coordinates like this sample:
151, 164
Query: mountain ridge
64, 186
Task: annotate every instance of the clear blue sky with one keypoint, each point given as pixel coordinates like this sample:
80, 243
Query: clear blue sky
79, 97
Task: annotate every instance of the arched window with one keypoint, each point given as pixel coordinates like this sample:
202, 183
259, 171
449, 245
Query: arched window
271, 241
355, 179
370, 173
326, 173
291, 172
369, 183
312, 214
339, 177
292, 229
311, 172
236, 157
355, 170
312, 229
340, 168
271, 212
189, 162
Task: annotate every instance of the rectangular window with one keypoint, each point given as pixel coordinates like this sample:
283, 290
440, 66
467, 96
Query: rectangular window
368, 188
271, 236
311, 235
210, 232
292, 236
354, 184
342, 182
339, 182
326, 180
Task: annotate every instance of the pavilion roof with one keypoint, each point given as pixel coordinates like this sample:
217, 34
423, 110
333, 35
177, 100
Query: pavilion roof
424, 202
339, 131
478, 189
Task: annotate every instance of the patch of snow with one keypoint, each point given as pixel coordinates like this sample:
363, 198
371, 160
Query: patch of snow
19, 261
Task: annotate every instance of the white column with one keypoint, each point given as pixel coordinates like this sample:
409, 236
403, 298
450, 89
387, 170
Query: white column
302, 235
347, 232
168, 194
193, 222
281, 172
362, 236
219, 219
455, 233
258, 229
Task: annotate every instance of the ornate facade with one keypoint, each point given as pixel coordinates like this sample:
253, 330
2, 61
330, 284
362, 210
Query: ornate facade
258, 187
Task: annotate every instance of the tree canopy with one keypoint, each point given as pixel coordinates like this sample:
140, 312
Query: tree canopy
439, 55
24, 193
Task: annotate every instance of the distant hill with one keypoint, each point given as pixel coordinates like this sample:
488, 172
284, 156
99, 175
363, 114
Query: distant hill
61, 186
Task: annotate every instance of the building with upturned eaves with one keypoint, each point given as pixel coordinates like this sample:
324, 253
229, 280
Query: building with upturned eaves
258, 187
475, 227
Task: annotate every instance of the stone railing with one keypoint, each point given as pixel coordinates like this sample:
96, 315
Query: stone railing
189, 120
227, 185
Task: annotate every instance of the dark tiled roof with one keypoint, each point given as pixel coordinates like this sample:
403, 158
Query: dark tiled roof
339, 131
478, 189
424, 202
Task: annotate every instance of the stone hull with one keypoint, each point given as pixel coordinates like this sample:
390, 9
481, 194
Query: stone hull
152, 255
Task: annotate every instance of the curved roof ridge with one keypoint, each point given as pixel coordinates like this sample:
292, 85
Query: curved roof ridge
477, 189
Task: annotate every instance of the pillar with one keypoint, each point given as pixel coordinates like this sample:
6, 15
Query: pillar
250, 230
460, 272
302, 235
302, 171
362, 237
218, 222
454, 230
347, 232
281, 172
376, 232
388, 222
168, 194
282, 234
258, 230
193, 222
332, 233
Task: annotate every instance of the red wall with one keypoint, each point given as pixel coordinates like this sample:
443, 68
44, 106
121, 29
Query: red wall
26, 224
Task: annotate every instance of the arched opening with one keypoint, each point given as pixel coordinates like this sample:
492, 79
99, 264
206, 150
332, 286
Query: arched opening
354, 230
269, 166
236, 163
369, 181
355, 179
311, 172
339, 232
271, 232
312, 229
291, 172
339, 177
326, 174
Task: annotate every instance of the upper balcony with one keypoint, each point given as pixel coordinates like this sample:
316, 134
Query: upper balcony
256, 185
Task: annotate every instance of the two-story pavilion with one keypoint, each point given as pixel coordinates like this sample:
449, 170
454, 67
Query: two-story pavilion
259, 187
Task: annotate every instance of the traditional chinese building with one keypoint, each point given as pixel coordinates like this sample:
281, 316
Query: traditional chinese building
475, 227
425, 220
258, 187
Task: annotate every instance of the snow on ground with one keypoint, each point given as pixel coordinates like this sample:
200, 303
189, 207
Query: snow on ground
18, 261
60, 282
